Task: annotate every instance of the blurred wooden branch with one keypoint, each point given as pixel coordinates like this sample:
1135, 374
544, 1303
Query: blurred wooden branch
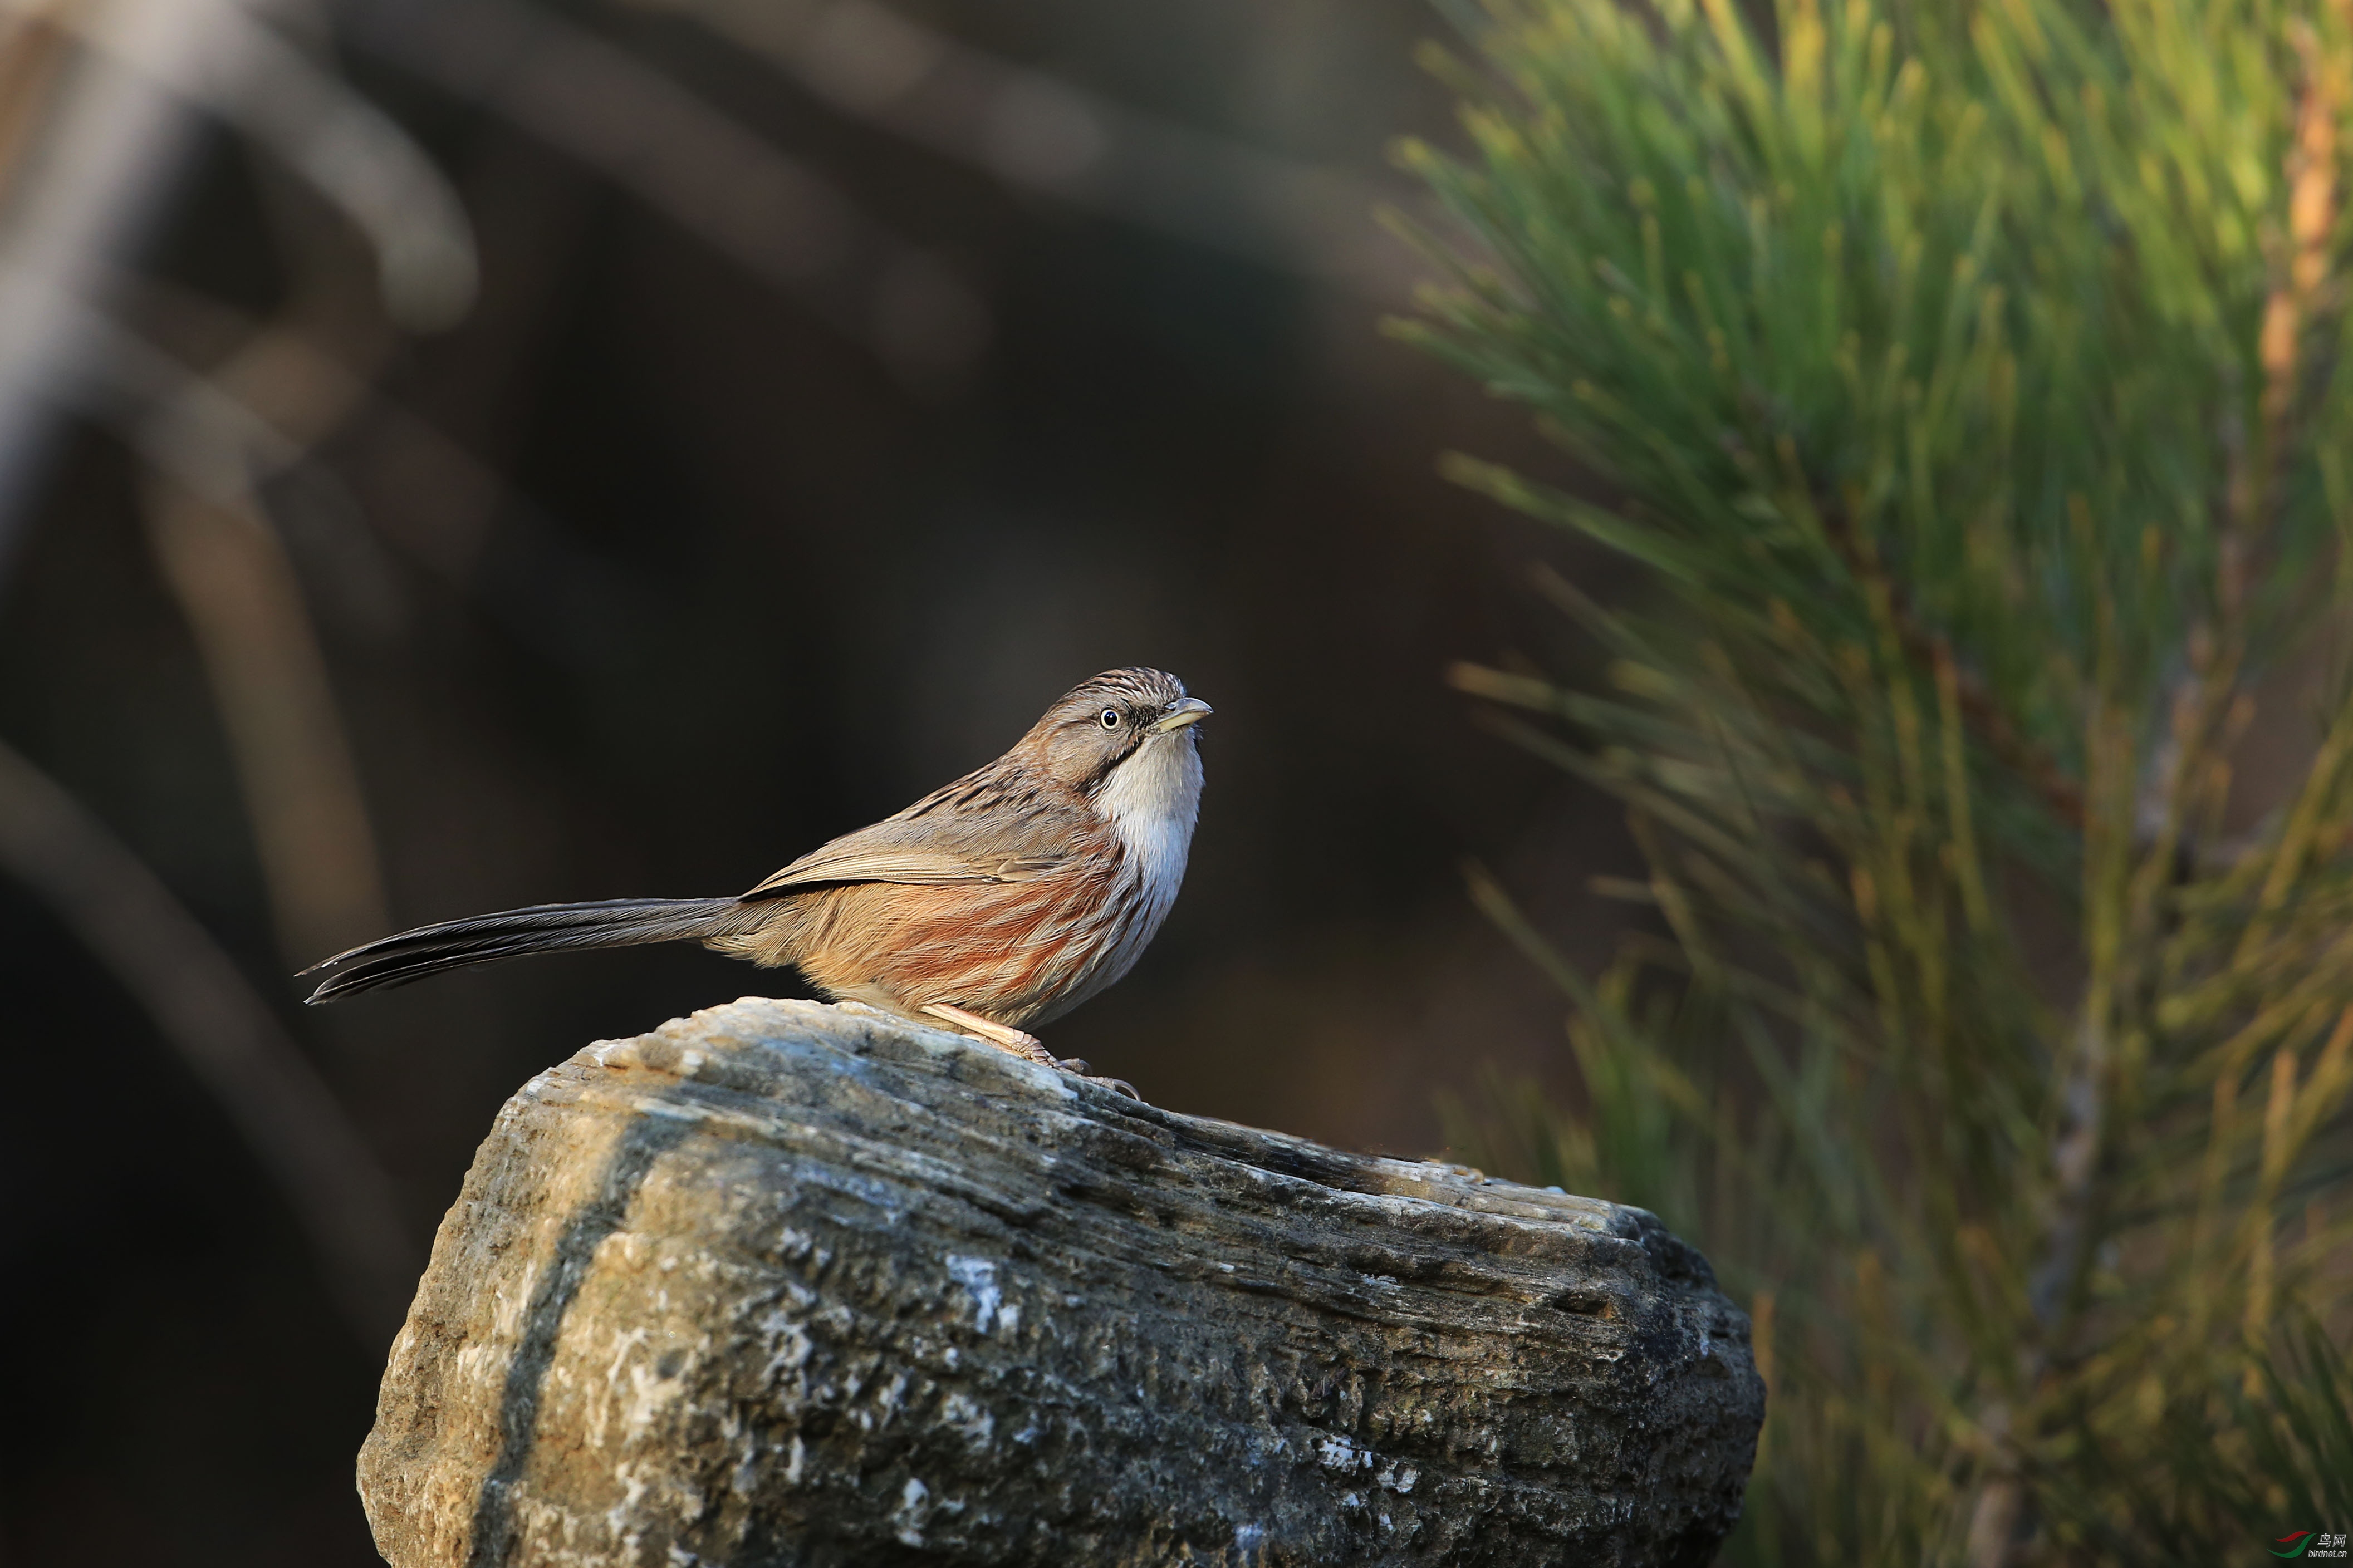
92, 157
785, 1282
1043, 134
268, 678
86, 180
224, 1033
33, 44
713, 176
209, 440
93, 153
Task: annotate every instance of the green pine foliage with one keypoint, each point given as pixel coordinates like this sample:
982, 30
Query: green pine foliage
1967, 377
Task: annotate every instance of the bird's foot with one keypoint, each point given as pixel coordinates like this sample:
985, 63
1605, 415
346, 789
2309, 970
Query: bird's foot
1117, 1085
1027, 1046
1079, 1067
1003, 1036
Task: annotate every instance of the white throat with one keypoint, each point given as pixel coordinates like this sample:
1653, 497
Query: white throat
1153, 799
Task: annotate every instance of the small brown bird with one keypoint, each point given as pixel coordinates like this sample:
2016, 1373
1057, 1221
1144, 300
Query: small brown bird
1002, 900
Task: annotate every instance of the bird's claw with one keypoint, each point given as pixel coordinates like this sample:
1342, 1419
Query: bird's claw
1081, 1068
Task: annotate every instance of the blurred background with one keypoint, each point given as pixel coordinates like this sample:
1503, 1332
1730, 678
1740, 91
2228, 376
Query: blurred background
458, 454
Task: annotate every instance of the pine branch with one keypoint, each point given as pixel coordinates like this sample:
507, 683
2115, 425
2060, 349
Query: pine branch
1994, 283
1931, 654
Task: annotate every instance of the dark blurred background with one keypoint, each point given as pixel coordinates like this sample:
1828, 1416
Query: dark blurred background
809, 394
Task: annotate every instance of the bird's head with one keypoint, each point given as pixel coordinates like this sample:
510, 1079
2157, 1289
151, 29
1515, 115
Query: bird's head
1135, 724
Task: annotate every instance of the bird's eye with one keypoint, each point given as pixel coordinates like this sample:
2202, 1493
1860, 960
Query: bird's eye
1110, 718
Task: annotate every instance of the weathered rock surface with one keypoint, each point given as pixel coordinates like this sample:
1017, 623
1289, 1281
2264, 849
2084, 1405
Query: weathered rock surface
783, 1283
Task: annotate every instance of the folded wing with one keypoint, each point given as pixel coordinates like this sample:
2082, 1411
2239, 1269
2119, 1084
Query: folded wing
943, 838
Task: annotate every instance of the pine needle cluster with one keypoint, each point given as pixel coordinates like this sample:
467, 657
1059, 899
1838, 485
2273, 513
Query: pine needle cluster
1970, 380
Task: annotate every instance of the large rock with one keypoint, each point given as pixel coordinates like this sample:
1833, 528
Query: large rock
783, 1283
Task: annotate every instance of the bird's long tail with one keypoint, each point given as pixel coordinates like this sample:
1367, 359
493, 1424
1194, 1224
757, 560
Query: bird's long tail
543, 928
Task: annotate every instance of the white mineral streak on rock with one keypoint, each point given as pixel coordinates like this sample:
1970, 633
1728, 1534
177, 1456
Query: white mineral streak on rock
978, 1276
908, 1523
1339, 1454
967, 1418
650, 1390
791, 1342
891, 1398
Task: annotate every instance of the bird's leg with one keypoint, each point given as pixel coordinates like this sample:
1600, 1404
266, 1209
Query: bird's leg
1028, 1046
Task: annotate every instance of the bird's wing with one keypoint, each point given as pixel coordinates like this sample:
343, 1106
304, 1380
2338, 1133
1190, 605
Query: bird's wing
934, 841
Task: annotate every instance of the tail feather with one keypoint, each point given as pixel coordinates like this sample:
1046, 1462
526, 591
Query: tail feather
543, 928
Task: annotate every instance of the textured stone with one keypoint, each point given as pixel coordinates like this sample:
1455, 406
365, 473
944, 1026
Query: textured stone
783, 1283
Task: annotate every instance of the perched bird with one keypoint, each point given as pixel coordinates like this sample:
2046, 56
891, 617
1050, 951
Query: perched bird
999, 902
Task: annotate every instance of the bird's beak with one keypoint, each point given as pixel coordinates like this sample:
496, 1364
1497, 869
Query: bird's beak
1191, 710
